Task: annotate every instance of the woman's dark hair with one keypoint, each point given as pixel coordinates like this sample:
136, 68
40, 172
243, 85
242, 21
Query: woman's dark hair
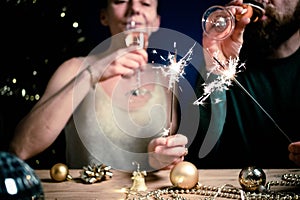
104, 3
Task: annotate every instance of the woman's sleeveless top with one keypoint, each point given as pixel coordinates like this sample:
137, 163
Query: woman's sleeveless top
109, 130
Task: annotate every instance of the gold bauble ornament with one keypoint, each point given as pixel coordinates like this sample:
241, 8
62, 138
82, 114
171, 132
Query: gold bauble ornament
184, 175
252, 178
59, 172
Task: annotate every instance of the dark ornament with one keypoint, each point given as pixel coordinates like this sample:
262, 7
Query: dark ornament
18, 180
252, 178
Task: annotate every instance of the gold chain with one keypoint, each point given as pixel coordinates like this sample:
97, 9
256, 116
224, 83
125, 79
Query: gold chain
205, 192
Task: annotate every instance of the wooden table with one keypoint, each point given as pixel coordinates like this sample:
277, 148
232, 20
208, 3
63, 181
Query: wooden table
116, 187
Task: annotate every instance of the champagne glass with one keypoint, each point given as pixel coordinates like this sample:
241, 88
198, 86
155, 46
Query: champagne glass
137, 36
218, 22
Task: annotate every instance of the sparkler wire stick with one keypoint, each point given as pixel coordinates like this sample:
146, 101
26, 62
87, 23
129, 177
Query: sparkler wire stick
174, 71
257, 103
254, 100
172, 95
171, 112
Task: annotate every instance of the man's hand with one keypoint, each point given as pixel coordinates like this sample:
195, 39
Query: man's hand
294, 149
222, 50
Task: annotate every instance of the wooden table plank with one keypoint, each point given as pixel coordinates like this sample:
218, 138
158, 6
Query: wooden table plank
115, 187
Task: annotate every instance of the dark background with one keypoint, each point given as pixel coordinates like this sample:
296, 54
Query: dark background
35, 40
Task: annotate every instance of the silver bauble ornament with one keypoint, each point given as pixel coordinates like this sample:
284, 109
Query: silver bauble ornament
184, 175
18, 180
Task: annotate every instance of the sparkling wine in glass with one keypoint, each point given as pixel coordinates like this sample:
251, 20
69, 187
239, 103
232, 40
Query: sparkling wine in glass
218, 22
137, 36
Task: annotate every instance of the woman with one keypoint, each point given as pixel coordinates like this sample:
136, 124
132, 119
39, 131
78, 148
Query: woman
92, 79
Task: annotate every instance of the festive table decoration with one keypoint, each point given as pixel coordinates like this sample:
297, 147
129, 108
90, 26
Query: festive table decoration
138, 178
60, 172
251, 178
18, 181
95, 173
184, 175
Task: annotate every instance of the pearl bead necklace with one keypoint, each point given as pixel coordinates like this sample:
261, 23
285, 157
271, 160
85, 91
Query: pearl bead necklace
205, 192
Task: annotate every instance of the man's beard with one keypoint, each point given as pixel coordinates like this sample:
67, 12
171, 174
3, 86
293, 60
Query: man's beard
262, 38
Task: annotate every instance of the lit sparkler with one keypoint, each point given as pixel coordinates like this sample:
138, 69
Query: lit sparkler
226, 75
175, 71
226, 71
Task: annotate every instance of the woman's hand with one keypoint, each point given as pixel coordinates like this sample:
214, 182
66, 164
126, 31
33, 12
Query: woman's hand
165, 152
122, 62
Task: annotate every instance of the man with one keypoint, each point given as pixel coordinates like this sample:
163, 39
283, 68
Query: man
260, 126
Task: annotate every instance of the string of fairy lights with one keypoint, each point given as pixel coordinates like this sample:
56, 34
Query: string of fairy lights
36, 37
39, 35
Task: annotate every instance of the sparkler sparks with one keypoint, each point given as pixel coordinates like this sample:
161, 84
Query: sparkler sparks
226, 74
175, 70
